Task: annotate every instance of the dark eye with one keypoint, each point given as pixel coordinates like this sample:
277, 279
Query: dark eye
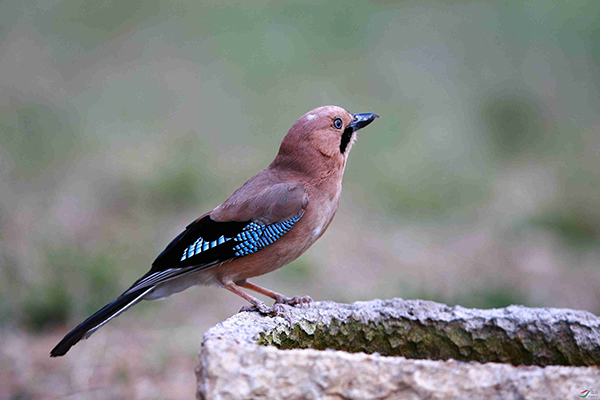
338, 123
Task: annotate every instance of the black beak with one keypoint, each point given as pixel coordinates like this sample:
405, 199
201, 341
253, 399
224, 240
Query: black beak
361, 120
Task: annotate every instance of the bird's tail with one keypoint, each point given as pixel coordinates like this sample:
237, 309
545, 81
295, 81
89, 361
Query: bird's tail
101, 317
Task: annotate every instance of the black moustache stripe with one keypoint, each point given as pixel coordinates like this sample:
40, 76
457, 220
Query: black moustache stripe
346, 136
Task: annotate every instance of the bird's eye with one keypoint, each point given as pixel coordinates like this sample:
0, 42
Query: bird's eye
338, 123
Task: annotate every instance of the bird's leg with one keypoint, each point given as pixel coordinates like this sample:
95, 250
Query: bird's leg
278, 297
276, 310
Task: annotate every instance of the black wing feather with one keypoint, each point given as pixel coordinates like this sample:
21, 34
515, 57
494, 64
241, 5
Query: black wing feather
205, 228
206, 243
169, 262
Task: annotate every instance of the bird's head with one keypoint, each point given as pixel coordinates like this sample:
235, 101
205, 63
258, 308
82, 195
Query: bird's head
322, 137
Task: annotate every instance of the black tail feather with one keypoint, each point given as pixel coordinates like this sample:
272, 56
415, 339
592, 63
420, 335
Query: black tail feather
89, 326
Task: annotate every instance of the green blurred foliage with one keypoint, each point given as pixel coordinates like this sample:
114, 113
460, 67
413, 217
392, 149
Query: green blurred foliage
73, 283
120, 122
515, 124
39, 137
573, 228
299, 271
422, 200
84, 26
494, 295
46, 306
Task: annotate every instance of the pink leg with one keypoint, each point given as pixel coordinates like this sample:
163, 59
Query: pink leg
279, 298
276, 310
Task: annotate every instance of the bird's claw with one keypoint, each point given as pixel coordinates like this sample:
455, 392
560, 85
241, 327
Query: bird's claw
248, 308
276, 310
296, 300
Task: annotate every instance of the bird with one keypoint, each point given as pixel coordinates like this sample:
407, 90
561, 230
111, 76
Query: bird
265, 224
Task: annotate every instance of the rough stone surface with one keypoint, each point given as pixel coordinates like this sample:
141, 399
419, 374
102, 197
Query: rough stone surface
253, 357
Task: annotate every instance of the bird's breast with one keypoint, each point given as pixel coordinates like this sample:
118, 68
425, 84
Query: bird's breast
324, 208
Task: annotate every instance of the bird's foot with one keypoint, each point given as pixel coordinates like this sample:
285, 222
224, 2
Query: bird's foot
296, 300
277, 310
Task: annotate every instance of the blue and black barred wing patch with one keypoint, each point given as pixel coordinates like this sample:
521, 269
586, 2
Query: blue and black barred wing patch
206, 243
257, 236
201, 245
253, 237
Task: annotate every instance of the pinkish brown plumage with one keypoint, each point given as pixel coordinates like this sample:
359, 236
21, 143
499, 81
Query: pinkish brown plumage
265, 224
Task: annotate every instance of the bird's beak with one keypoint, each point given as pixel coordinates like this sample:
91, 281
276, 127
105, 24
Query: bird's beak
361, 120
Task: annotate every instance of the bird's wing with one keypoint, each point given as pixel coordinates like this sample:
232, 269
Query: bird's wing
244, 224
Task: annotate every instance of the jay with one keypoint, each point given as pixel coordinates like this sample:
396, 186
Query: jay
268, 222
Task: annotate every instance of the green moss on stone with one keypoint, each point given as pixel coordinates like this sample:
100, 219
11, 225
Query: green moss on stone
430, 340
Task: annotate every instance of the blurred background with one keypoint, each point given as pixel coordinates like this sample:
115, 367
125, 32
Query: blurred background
122, 121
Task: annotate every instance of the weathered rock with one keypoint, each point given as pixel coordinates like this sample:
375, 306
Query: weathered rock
243, 357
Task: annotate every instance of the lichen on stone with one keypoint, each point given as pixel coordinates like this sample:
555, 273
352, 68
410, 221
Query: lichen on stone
445, 333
